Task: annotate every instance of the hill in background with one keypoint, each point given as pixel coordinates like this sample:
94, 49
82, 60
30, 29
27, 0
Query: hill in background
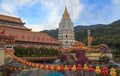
108, 34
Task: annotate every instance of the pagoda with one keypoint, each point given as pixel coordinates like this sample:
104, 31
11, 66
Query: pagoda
66, 31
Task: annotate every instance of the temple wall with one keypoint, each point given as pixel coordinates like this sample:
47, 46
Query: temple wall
2, 55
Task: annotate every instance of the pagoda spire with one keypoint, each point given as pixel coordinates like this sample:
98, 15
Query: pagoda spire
66, 14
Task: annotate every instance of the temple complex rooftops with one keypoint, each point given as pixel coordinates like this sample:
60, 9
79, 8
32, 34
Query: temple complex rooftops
11, 19
28, 36
12, 22
12, 26
79, 46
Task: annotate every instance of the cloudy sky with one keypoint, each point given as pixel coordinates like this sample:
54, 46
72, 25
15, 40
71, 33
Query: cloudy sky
46, 14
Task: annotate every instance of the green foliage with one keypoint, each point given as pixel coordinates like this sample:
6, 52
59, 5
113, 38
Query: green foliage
35, 52
112, 66
116, 54
53, 33
104, 59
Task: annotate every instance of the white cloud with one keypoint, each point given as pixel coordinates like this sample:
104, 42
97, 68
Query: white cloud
7, 8
54, 7
116, 8
40, 27
75, 8
100, 13
10, 7
22, 2
29, 3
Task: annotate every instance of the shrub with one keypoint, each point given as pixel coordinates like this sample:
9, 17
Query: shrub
104, 59
67, 59
78, 58
81, 58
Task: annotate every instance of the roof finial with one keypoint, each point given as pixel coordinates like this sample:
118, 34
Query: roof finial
66, 14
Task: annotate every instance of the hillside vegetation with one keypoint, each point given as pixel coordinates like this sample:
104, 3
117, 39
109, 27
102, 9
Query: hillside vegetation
108, 34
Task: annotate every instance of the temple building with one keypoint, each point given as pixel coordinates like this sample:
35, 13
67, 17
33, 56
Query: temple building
66, 31
12, 26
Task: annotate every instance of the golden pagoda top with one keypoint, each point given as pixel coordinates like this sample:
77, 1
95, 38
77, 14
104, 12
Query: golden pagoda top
66, 14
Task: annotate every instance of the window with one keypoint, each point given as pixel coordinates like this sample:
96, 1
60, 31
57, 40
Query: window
63, 25
66, 36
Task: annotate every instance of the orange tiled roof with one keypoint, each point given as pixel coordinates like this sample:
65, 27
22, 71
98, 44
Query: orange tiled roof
11, 19
78, 44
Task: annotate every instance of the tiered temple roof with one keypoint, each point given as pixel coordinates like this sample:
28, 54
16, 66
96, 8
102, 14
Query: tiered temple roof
22, 33
10, 19
12, 22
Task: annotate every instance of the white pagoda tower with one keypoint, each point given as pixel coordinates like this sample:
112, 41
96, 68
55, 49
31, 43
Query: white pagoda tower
66, 31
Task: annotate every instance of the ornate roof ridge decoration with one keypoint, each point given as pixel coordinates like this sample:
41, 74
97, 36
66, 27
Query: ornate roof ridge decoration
66, 14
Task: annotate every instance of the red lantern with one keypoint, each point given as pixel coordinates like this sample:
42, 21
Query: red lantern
21, 60
15, 58
70, 67
79, 68
39, 66
18, 59
27, 63
24, 62
90, 69
62, 68
30, 64
36, 65
48, 67
55, 67
33, 65
104, 71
